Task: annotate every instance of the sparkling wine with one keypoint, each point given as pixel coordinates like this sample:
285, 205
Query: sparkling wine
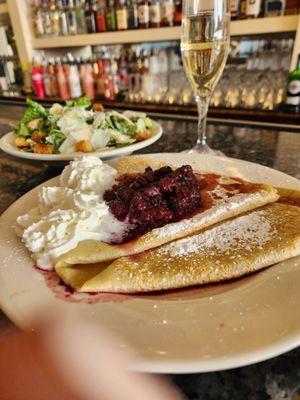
204, 48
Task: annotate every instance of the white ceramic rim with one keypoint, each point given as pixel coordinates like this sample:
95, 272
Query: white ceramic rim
283, 345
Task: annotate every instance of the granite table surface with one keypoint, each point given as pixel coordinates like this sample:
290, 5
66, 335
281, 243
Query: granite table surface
278, 378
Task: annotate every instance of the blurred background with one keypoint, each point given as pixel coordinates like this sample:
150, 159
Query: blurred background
126, 53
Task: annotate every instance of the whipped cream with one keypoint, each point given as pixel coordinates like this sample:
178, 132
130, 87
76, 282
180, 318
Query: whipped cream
70, 213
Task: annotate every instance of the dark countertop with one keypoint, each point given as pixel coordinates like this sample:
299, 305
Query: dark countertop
276, 379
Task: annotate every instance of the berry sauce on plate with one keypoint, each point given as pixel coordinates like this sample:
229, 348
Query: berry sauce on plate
154, 198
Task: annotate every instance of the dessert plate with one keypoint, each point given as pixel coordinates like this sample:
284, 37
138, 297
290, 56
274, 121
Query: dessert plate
200, 329
7, 144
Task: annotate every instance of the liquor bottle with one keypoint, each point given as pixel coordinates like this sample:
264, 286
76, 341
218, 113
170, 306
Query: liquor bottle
155, 14
80, 17
167, 11
292, 7
273, 8
178, 12
243, 8
111, 16
72, 20
66, 65
253, 8
38, 25
234, 8
100, 89
143, 14
74, 82
100, 16
123, 76
133, 21
27, 78
109, 85
115, 77
122, 15
63, 20
54, 17
46, 18
293, 90
90, 17
88, 85
53, 82
62, 83
38, 82
46, 80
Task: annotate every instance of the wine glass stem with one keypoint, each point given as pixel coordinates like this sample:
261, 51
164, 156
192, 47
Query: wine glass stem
202, 105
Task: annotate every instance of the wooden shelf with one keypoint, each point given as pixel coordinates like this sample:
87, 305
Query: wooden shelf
117, 37
3, 8
257, 26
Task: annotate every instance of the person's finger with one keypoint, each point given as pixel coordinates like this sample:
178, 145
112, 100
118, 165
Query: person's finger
73, 359
91, 363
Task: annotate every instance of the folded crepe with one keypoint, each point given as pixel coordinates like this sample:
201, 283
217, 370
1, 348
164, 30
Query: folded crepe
228, 250
226, 198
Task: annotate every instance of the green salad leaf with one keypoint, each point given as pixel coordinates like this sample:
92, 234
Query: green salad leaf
114, 143
84, 101
56, 138
33, 111
23, 131
123, 126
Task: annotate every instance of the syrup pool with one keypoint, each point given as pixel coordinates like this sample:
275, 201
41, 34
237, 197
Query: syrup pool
63, 292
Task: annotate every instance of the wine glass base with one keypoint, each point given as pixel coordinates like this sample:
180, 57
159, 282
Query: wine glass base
204, 149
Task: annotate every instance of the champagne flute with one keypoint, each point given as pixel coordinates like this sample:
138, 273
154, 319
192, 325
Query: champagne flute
204, 49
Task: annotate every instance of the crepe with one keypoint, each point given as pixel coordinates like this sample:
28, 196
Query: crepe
231, 197
228, 250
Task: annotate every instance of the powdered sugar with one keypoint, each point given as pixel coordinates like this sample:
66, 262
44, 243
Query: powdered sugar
221, 193
199, 221
248, 232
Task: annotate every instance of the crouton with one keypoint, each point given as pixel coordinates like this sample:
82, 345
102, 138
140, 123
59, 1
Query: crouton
98, 107
41, 148
21, 142
34, 124
84, 146
142, 135
38, 137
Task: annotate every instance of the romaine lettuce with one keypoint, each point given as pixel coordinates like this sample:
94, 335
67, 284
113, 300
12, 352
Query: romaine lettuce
56, 138
84, 101
33, 111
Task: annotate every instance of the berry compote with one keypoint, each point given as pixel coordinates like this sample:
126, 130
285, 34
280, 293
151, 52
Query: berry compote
154, 198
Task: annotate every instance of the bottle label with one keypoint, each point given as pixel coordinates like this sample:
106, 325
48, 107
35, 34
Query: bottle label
155, 16
143, 14
122, 20
75, 88
293, 101
167, 11
294, 88
253, 7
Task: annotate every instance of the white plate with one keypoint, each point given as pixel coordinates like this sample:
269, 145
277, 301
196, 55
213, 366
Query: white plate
7, 144
196, 330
